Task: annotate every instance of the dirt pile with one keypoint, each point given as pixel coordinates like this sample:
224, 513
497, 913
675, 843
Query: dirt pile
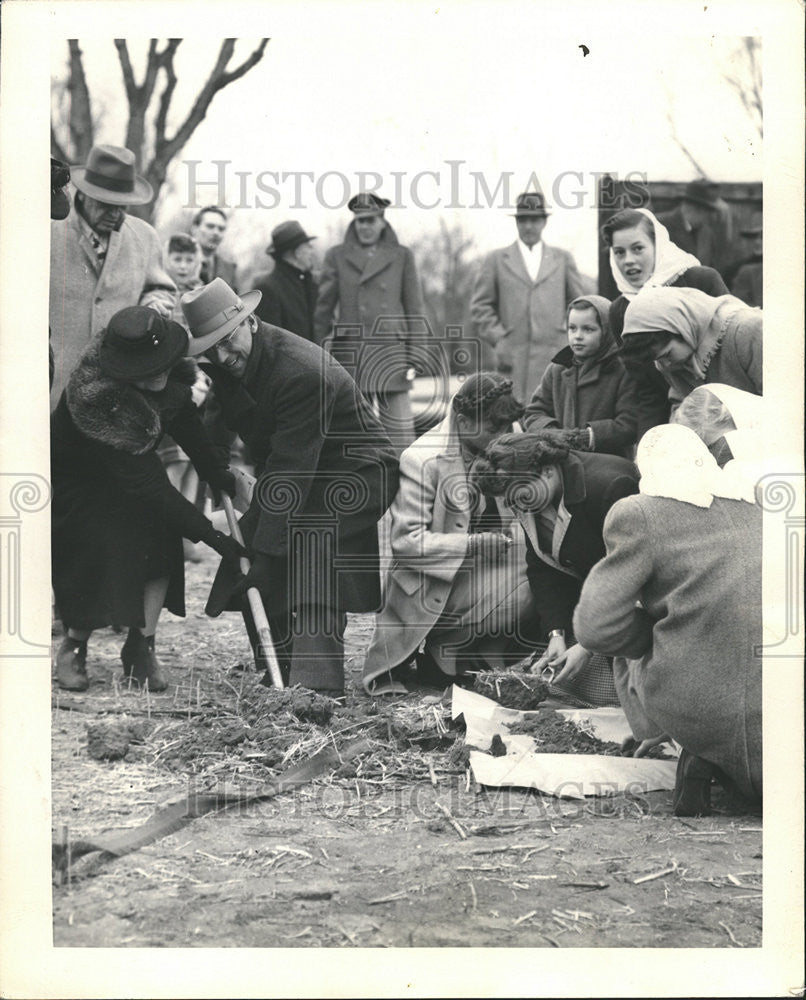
112, 739
512, 690
555, 734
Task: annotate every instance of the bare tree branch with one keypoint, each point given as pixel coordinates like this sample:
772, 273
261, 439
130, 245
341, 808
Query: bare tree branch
126, 68
80, 119
683, 147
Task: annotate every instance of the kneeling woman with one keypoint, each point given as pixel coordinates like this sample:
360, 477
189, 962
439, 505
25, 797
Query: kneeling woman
561, 498
690, 552
117, 522
457, 582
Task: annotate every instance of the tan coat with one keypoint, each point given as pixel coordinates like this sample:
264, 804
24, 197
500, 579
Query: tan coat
84, 297
524, 320
431, 517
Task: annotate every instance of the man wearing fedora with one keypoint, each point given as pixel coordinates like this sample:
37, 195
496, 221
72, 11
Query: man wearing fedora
289, 292
701, 223
520, 298
326, 475
369, 293
101, 259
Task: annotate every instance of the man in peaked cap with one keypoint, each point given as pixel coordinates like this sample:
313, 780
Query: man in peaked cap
101, 259
369, 294
521, 295
289, 292
326, 475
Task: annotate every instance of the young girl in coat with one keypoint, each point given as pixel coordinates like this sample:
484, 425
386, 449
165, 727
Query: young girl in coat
586, 390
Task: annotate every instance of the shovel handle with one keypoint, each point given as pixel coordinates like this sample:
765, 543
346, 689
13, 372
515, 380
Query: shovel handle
266, 649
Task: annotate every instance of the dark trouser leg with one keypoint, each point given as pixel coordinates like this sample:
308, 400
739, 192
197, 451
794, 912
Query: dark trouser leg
318, 660
280, 626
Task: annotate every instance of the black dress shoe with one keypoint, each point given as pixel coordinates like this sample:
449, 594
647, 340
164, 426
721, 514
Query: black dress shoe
140, 663
71, 665
692, 788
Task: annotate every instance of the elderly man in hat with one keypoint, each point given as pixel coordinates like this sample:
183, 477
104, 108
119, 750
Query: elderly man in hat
520, 298
326, 475
101, 259
369, 293
289, 292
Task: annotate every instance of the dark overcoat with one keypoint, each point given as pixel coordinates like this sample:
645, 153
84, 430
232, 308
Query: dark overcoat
591, 484
693, 671
326, 472
289, 299
116, 520
652, 403
601, 396
378, 295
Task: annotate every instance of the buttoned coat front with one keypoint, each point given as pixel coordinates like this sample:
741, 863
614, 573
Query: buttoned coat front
380, 298
84, 295
524, 320
431, 518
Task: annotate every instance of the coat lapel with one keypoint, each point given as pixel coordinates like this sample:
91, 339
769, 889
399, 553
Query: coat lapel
83, 242
514, 261
381, 259
548, 264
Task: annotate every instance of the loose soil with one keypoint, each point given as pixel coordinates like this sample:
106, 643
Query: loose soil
369, 854
512, 690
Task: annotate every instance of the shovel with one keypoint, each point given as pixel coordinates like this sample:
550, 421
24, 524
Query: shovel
264, 654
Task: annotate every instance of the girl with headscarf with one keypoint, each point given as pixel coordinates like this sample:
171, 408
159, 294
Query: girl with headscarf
679, 596
586, 389
457, 584
643, 256
717, 413
694, 338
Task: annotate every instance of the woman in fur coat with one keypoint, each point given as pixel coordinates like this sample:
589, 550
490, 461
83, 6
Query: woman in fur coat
117, 522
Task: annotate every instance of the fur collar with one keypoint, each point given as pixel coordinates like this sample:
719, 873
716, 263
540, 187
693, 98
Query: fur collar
117, 413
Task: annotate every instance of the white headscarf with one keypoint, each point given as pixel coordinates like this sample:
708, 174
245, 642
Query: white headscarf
714, 409
670, 260
676, 464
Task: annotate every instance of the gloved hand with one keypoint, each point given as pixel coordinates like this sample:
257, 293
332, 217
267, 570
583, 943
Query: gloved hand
262, 574
221, 481
225, 545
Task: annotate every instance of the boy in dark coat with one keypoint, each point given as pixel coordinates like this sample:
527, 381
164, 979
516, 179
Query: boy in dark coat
586, 390
326, 475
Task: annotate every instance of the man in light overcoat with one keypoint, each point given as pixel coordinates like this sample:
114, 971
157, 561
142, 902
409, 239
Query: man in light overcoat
520, 298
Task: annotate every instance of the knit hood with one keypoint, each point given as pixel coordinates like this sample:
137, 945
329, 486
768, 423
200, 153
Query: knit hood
117, 413
608, 345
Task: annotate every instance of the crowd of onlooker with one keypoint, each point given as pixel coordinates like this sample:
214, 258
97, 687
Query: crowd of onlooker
589, 504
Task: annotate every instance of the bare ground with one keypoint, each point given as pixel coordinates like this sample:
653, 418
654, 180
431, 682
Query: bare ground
368, 855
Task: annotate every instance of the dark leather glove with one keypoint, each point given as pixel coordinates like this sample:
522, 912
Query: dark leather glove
263, 575
225, 546
221, 481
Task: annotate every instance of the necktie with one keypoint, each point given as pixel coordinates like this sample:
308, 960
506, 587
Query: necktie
205, 272
98, 247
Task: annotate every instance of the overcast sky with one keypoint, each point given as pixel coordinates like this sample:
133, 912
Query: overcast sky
500, 87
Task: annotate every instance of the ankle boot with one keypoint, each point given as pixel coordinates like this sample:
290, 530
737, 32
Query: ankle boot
140, 664
71, 665
692, 789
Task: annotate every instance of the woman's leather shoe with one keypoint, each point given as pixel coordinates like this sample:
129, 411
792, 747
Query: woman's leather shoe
140, 664
692, 788
71, 665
